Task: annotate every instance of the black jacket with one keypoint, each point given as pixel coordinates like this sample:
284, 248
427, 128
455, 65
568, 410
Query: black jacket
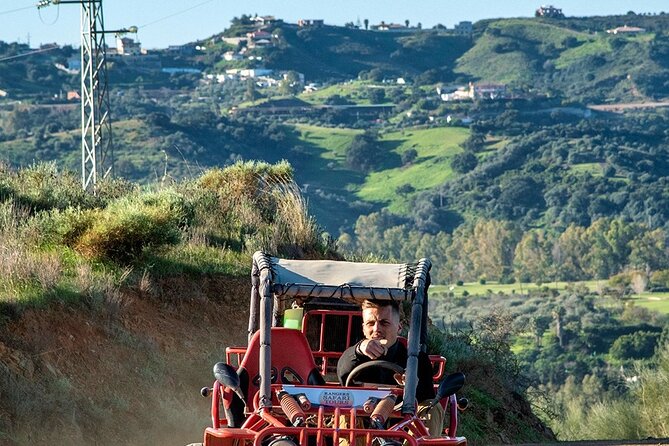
397, 354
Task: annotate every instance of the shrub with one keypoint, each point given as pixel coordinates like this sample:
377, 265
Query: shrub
637, 345
43, 187
131, 224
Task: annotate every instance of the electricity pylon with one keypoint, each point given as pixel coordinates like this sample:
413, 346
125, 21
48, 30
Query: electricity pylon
97, 149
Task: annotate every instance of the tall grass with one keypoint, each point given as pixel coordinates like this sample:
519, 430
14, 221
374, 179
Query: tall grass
56, 239
21, 268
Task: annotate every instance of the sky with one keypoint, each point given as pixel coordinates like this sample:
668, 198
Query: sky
174, 22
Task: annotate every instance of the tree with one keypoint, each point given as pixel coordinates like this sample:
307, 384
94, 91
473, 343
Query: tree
568, 252
406, 23
491, 247
364, 152
532, 257
376, 95
464, 162
639, 282
649, 251
251, 94
405, 189
409, 156
366, 22
290, 85
638, 345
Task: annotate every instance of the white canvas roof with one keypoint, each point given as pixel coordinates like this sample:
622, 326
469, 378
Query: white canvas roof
327, 272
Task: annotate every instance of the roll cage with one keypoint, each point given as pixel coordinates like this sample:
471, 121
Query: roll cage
275, 281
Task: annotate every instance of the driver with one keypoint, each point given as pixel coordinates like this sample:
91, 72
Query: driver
381, 325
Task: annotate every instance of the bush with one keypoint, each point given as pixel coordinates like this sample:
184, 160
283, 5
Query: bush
364, 152
128, 226
464, 162
44, 187
637, 345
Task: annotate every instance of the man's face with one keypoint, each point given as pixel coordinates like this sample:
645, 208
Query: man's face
381, 323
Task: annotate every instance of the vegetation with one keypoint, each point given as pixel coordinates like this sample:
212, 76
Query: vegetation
554, 212
56, 230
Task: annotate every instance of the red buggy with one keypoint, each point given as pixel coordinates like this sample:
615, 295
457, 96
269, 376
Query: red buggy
280, 390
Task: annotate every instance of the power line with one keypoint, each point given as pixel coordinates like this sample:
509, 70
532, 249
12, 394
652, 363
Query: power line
176, 13
17, 10
16, 56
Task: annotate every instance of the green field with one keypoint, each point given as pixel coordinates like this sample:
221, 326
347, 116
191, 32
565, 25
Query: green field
353, 91
653, 301
324, 167
435, 148
477, 289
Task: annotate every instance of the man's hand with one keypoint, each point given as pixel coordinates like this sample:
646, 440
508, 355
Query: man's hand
373, 349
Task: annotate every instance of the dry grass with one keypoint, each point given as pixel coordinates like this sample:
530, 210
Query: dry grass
19, 266
295, 226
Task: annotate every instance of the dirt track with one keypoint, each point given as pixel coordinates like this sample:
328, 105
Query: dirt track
627, 106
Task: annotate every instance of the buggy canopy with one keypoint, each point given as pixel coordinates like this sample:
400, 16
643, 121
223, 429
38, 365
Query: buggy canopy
352, 281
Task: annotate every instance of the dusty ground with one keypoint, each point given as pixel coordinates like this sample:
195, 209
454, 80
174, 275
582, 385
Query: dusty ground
127, 372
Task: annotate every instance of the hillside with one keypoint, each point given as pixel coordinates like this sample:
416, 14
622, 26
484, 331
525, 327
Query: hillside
140, 291
123, 372
577, 60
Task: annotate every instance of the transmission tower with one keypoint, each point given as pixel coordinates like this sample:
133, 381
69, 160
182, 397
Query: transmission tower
97, 149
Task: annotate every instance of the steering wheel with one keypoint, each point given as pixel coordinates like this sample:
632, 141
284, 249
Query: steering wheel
376, 363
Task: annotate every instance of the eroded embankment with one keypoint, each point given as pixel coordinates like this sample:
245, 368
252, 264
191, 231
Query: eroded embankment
124, 372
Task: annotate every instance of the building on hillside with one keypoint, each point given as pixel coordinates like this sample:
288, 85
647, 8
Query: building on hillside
73, 95
487, 91
459, 94
180, 70
3, 94
626, 30
259, 38
549, 11
126, 46
383, 26
464, 28
235, 40
264, 20
231, 55
310, 22
255, 72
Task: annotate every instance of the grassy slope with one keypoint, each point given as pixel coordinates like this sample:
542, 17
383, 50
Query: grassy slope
520, 65
324, 169
353, 91
435, 148
524, 52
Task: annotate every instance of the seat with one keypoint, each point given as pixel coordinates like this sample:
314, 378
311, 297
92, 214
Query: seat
292, 362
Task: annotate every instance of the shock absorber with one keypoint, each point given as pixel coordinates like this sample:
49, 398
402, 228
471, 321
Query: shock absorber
291, 408
382, 411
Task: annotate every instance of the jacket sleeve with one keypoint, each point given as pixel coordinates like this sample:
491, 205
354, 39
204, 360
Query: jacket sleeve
348, 361
425, 389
